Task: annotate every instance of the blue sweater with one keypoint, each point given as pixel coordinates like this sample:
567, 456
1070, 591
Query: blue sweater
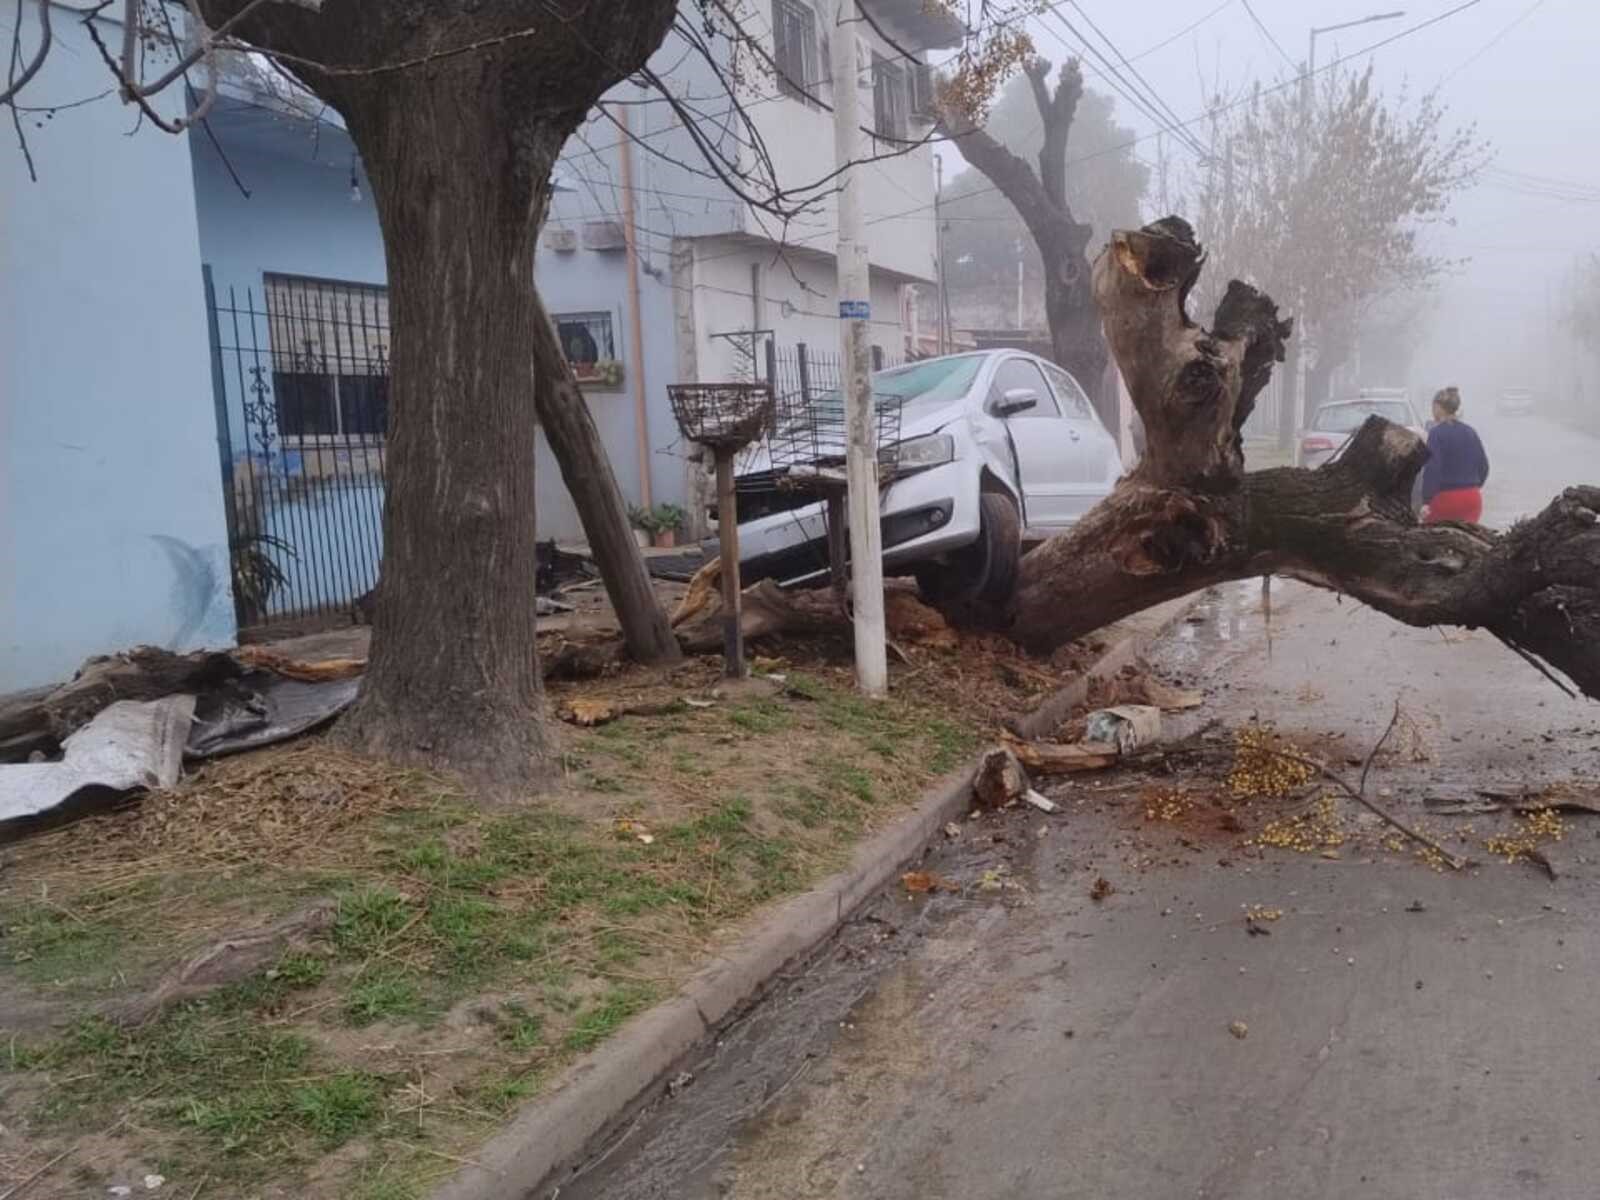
1455, 460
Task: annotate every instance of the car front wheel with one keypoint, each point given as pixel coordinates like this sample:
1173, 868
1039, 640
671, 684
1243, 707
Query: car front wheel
986, 569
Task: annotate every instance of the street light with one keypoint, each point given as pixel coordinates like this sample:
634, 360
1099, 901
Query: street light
1311, 57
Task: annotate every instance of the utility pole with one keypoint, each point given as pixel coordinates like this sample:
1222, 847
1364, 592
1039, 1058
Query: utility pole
938, 241
855, 310
1017, 245
1161, 167
1295, 401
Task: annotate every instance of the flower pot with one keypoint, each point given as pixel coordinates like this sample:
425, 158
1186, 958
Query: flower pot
666, 539
641, 538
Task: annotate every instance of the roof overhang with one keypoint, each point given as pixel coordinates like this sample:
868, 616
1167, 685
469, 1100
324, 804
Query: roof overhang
928, 24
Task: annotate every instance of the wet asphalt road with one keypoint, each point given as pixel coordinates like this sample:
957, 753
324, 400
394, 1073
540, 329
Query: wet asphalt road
1409, 1032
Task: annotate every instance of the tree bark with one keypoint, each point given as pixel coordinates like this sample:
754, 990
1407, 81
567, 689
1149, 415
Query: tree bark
453, 676
586, 470
1040, 199
459, 110
1188, 516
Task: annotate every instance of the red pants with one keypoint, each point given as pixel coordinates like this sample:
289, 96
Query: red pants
1458, 504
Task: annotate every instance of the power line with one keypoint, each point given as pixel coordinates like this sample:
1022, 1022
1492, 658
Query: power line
1267, 33
1492, 42
1127, 91
1137, 74
1246, 98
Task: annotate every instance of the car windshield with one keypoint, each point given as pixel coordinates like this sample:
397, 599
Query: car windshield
1349, 416
916, 386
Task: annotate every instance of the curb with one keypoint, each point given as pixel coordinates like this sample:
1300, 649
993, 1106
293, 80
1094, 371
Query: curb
1049, 715
602, 1090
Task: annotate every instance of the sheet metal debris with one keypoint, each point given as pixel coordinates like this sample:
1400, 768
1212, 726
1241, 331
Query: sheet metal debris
130, 745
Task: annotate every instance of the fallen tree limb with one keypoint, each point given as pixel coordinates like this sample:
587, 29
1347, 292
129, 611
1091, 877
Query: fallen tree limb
1189, 517
42, 720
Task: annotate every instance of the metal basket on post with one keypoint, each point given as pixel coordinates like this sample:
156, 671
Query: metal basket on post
726, 417
809, 441
722, 415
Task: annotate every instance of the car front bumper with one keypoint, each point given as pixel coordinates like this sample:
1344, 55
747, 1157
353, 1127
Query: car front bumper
922, 516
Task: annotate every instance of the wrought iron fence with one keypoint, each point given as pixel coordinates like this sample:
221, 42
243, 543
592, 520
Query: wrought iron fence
300, 373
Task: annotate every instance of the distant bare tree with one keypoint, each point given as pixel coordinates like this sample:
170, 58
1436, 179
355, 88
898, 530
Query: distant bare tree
1322, 195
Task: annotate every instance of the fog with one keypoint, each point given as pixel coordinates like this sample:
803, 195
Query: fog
1522, 71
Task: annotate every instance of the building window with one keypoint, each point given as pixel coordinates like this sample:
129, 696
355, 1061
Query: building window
587, 341
794, 36
330, 357
889, 99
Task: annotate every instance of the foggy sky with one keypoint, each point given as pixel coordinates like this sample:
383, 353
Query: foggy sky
1532, 94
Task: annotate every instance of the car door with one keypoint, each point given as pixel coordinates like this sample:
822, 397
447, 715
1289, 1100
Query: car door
1096, 460
1041, 442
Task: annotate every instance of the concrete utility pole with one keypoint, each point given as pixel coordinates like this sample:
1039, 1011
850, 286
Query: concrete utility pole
1296, 404
855, 310
938, 236
1018, 247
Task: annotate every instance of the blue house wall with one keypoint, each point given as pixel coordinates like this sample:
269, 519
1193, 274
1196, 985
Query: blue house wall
300, 218
111, 511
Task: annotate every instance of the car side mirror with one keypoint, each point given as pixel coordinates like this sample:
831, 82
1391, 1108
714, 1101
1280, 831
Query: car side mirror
1016, 400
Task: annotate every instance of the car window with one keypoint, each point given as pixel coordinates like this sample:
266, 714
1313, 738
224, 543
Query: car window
1073, 402
930, 384
1022, 373
1349, 417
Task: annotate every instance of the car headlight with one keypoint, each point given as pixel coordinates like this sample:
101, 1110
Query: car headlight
919, 453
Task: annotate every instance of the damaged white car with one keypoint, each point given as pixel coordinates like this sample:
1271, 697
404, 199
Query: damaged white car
997, 449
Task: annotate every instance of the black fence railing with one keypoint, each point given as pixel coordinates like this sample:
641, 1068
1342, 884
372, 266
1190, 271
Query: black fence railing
301, 379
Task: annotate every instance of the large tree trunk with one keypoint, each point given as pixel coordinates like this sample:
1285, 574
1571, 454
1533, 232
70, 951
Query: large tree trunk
1041, 201
586, 470
453, 677
459, 110
1188, 516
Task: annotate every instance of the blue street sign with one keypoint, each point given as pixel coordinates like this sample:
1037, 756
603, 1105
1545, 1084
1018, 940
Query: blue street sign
855, 310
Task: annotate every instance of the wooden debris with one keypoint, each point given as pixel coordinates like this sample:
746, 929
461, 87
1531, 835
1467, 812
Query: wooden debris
42, 720
1000, 779
1169, 698
293, 668
1056, 758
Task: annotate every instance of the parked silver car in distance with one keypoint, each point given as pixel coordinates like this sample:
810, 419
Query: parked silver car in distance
1515, 402
996, 448
1335, 421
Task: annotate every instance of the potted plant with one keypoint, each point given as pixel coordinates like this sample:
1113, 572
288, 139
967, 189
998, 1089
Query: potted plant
666, 520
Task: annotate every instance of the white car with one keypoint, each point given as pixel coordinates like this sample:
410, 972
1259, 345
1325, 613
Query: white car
1516, 402
996, 448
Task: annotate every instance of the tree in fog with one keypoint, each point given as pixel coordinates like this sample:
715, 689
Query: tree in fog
1323, 195
983, 229
1040, 198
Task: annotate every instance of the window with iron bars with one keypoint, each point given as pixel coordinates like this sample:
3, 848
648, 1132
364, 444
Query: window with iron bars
794, 38
330, 358
890, 104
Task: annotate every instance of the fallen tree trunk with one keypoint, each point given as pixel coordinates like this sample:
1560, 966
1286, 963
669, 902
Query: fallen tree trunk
1188, 516
43, 719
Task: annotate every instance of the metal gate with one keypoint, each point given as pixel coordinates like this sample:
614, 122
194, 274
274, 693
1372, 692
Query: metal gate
300, 372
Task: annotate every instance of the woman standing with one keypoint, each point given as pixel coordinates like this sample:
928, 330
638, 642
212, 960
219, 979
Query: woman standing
1453, 479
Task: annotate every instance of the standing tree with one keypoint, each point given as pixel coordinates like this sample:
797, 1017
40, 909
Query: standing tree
1040, 199
983, 229
1322, 196
459, 111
